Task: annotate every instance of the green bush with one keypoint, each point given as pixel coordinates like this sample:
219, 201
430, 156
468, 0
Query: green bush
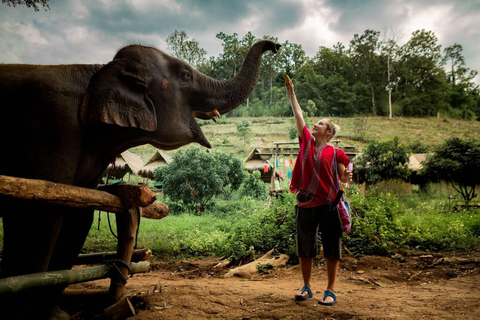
194, 178
253, 186
263, 230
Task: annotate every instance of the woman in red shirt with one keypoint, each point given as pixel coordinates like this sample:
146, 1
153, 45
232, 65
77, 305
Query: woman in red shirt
313, 180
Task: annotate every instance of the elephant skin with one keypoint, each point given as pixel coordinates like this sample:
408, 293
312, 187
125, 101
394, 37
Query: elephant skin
66, 123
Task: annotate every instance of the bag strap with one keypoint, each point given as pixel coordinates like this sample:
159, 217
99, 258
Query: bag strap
340, 191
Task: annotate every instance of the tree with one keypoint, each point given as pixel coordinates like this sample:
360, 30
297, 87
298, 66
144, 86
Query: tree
453, 54
28, 4
457, 162
195, 177
423, 85
390, 48
366, 64
387, 160
188, 50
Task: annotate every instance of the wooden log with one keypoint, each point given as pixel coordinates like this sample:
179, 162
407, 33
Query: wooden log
70, 196
62, 277
156, 210
100, 257
59, 194
131, 195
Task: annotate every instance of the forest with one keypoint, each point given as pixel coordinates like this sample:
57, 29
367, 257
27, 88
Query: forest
372, 75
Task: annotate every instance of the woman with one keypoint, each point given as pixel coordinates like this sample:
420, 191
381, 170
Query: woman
314, 181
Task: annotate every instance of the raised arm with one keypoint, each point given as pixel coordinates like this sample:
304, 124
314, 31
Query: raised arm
297, 111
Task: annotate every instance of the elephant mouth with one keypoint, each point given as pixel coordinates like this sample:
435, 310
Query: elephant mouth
207, 115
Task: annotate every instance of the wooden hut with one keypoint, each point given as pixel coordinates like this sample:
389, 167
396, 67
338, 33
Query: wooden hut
158, 159
126, 162
257, 160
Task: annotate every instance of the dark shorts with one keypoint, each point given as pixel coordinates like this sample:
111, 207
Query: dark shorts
309, 222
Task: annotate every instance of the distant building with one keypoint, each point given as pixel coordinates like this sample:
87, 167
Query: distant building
158, 159
126, 162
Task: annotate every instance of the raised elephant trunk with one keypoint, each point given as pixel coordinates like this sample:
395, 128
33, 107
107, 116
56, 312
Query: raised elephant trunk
229, 94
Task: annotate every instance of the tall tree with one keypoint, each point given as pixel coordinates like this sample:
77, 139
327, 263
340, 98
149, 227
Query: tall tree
363, 51
423, 86
390, 48
186, 49
453, 54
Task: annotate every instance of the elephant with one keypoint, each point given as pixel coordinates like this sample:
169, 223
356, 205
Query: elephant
67, 123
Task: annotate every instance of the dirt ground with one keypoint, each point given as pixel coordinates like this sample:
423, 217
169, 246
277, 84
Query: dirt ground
411, 285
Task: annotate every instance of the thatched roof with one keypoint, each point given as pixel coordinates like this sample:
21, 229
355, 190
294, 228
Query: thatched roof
415, 161
158, 159
126, 162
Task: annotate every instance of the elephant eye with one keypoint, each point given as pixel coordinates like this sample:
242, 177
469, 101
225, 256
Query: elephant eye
186, 75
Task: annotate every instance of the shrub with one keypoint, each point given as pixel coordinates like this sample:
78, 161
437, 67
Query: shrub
253, 186
385, 160
195, 177
263, 230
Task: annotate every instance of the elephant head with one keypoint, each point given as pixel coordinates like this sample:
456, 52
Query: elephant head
146, 89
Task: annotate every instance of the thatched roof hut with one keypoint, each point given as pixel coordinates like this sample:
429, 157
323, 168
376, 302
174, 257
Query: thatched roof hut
158, 159
415, 162
257, 160
126, 162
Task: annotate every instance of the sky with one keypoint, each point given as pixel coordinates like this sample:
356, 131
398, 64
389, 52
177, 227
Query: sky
91, 31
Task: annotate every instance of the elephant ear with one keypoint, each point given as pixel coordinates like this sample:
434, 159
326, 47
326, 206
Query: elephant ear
116, 96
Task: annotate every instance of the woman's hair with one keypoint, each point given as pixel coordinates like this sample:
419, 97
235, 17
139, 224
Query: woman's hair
333, 127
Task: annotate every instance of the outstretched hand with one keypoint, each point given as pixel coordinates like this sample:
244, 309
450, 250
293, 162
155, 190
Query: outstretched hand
289, 86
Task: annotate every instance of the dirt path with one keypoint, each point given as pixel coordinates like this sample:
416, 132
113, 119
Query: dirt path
409, 286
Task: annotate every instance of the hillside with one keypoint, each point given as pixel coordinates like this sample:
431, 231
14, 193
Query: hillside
356, 132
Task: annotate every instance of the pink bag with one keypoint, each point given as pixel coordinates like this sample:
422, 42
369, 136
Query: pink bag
343, 208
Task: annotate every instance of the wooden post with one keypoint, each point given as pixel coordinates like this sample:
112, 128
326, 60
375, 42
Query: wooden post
127, 225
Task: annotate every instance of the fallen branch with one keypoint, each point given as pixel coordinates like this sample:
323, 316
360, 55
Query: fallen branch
251, 269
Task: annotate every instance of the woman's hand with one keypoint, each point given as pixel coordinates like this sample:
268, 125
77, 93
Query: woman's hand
289, 86
347, 176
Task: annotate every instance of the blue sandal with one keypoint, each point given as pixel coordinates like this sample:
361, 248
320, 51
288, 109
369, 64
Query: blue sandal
300, 297
328, 293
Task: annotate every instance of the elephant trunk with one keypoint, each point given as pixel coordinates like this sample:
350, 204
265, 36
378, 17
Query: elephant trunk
229, 94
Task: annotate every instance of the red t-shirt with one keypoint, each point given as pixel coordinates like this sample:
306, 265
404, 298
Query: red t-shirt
314, 171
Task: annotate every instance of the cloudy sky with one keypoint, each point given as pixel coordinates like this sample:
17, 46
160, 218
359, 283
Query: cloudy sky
91, 31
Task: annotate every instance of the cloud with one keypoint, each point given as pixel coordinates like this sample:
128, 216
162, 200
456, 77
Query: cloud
91, 31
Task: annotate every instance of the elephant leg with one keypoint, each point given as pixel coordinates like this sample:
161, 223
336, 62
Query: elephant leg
75, 228
30, 233
43, 302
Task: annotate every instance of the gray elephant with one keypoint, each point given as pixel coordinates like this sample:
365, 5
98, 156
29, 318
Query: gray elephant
66, 123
